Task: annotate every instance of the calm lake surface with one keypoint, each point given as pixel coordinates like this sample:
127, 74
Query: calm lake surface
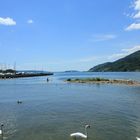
54, 110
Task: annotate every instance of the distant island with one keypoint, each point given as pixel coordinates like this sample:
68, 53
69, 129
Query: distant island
71, 71
126, 64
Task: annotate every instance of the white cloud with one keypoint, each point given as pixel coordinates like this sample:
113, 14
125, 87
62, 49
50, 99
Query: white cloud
124, 52
137, 9
131, 50
137, 5
102, 37
7, 21
116, 56
30, 21
136, 16
133, 26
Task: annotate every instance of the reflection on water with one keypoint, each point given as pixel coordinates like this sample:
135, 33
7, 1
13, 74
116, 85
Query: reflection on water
54, 110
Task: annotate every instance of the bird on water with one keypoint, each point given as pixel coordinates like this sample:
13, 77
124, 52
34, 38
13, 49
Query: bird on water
137, 138
1, 130
19, 102
79, 135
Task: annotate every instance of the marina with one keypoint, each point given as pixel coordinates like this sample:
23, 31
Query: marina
9, 73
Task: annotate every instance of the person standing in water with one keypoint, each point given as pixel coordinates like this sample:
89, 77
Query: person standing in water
47, 79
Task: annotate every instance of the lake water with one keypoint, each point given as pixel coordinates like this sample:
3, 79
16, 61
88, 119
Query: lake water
54, 110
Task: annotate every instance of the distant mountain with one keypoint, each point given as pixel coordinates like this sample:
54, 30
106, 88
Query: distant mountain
128, 63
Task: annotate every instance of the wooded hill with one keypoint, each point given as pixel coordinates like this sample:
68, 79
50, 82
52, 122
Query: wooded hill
128, 63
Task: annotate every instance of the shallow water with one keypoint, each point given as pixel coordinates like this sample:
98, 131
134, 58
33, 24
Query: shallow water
54, 110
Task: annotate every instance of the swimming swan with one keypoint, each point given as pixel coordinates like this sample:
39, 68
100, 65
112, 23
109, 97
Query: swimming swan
79, 135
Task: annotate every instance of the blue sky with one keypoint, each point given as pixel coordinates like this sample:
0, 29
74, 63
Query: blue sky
59, 35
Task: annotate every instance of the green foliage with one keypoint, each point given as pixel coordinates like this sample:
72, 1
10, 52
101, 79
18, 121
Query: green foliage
96, 79
69, 79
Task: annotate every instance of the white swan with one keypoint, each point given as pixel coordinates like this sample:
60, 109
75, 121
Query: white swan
79, 135
1, 129
137, 138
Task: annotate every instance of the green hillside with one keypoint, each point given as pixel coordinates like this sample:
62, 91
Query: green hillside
128, 63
